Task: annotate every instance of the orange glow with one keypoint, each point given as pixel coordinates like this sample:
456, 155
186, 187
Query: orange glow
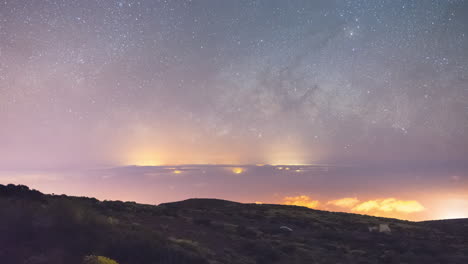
386, 207
177, 172
301, 200
258, 202
237, 170
143, 157
389, 205
344, 202
289, 152
367, 206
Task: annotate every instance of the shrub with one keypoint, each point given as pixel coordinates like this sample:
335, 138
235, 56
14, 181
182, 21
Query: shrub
246, 232
202, 221
288, 248
262, 251
98, 260
185, 243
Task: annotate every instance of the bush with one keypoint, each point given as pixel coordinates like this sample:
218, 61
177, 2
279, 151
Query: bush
262, 251
288, 249
202, 221
246, 232
98, 260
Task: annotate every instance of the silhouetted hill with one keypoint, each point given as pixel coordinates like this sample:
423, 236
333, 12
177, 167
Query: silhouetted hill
200, 203
37, 228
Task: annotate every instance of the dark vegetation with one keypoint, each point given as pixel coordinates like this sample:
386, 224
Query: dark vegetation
39, 229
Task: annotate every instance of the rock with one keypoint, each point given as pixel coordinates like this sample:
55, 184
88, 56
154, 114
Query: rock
384, 228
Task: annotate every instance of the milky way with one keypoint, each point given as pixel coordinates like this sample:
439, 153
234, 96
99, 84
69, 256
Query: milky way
91, 82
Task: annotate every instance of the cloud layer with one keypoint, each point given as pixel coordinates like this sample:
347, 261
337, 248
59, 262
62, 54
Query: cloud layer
389, 205
302, 200
378, 207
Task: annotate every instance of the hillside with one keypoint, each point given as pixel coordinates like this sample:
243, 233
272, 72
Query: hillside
36, 229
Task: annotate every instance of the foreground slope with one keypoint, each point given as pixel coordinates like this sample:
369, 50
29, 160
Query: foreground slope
38, 228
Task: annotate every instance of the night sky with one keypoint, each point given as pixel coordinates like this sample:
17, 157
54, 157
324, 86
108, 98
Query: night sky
371, 95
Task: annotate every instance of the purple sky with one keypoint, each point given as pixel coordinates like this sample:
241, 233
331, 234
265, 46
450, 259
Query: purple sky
377, 87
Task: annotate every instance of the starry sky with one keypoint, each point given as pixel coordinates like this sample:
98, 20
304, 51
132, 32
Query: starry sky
377, 87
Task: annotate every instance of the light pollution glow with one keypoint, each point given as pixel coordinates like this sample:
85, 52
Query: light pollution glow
350, 105
315, 187
175, 154
238, 170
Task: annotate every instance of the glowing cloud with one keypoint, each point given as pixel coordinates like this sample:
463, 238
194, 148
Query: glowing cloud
389, 205
344, 202
302, 200
367, 206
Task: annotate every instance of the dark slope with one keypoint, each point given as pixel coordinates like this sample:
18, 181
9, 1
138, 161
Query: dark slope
37, 228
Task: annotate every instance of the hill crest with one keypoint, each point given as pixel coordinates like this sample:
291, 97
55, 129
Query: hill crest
64, 229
